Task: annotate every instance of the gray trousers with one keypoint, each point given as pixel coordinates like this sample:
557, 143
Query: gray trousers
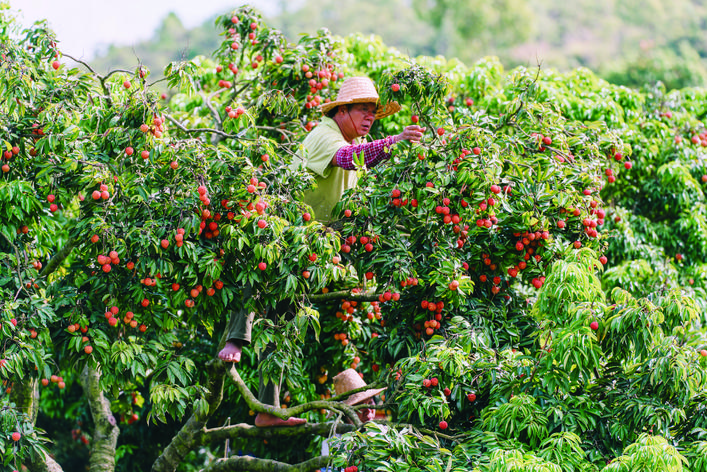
240, 326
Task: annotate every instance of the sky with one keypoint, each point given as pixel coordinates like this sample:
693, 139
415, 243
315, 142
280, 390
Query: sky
84, 27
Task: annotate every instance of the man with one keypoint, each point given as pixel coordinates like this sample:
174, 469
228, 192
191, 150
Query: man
349, 380
328, 154
345, 382
330, 147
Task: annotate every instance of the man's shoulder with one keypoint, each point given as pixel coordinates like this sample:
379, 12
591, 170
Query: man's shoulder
326, 127
325, 139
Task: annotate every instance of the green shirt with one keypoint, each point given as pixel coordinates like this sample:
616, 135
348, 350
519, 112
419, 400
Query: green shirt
320, 147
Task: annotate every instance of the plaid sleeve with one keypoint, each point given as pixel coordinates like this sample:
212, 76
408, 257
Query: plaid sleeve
373, 153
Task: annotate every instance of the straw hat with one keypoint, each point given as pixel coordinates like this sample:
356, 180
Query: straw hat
360, 90
350, 380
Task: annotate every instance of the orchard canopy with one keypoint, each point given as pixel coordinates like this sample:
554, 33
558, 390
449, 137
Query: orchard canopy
527, 283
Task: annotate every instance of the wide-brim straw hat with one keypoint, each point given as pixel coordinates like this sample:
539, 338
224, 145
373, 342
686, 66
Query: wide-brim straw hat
361, 90
350, 380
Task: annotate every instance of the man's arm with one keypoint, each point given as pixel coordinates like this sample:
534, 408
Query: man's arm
376, 151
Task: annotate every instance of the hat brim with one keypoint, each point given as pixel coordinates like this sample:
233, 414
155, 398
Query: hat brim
361, 397
382, 111
388, 109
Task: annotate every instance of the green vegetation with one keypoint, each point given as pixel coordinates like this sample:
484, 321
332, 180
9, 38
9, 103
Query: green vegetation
528, 282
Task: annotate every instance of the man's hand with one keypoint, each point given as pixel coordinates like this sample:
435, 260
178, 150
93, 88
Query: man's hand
412, 133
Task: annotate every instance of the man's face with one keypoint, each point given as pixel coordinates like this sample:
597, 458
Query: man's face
362, 117
367, 414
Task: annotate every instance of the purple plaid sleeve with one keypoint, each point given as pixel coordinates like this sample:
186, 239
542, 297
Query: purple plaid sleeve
373, 153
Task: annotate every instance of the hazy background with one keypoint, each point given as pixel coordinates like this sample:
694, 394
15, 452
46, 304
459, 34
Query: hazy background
630, 42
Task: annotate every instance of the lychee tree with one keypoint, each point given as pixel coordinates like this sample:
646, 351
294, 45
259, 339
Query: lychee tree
510, 279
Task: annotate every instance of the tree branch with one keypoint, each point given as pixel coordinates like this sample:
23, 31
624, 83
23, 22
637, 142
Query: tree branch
106, 431
43, 464
201, 130
243, 430
187, 438
285, 413
59, 257
253, 464
25, 396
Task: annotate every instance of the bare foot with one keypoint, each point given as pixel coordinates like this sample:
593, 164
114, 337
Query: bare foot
266, 419
231, 352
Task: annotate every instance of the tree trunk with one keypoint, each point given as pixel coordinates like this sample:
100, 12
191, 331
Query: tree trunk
25, 395
190, 434
43, 464
105, 434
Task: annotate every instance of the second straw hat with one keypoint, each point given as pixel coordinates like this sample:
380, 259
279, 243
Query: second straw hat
350, 380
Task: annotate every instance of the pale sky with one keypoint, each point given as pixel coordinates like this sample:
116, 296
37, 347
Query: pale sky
85, 26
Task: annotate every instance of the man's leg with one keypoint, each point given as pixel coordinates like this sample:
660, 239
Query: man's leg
238, 331
269, 393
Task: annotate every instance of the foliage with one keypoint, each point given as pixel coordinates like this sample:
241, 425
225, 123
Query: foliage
527, 281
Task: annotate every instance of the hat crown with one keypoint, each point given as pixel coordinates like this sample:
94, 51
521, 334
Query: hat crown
357, 90
350, 380
347, 380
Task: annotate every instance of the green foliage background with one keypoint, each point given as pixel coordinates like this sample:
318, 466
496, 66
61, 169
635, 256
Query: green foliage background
539, 202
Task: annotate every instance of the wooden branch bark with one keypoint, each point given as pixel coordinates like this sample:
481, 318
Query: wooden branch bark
25, 396
43, 463
285, 413
244, 430
105, 434
253, 464
189, 436
58, 258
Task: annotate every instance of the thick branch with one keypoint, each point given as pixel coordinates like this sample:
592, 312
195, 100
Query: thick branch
43, 464
105, 434
285, 413
244, 430
58, 258
188, 437
253, 464
25, 396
